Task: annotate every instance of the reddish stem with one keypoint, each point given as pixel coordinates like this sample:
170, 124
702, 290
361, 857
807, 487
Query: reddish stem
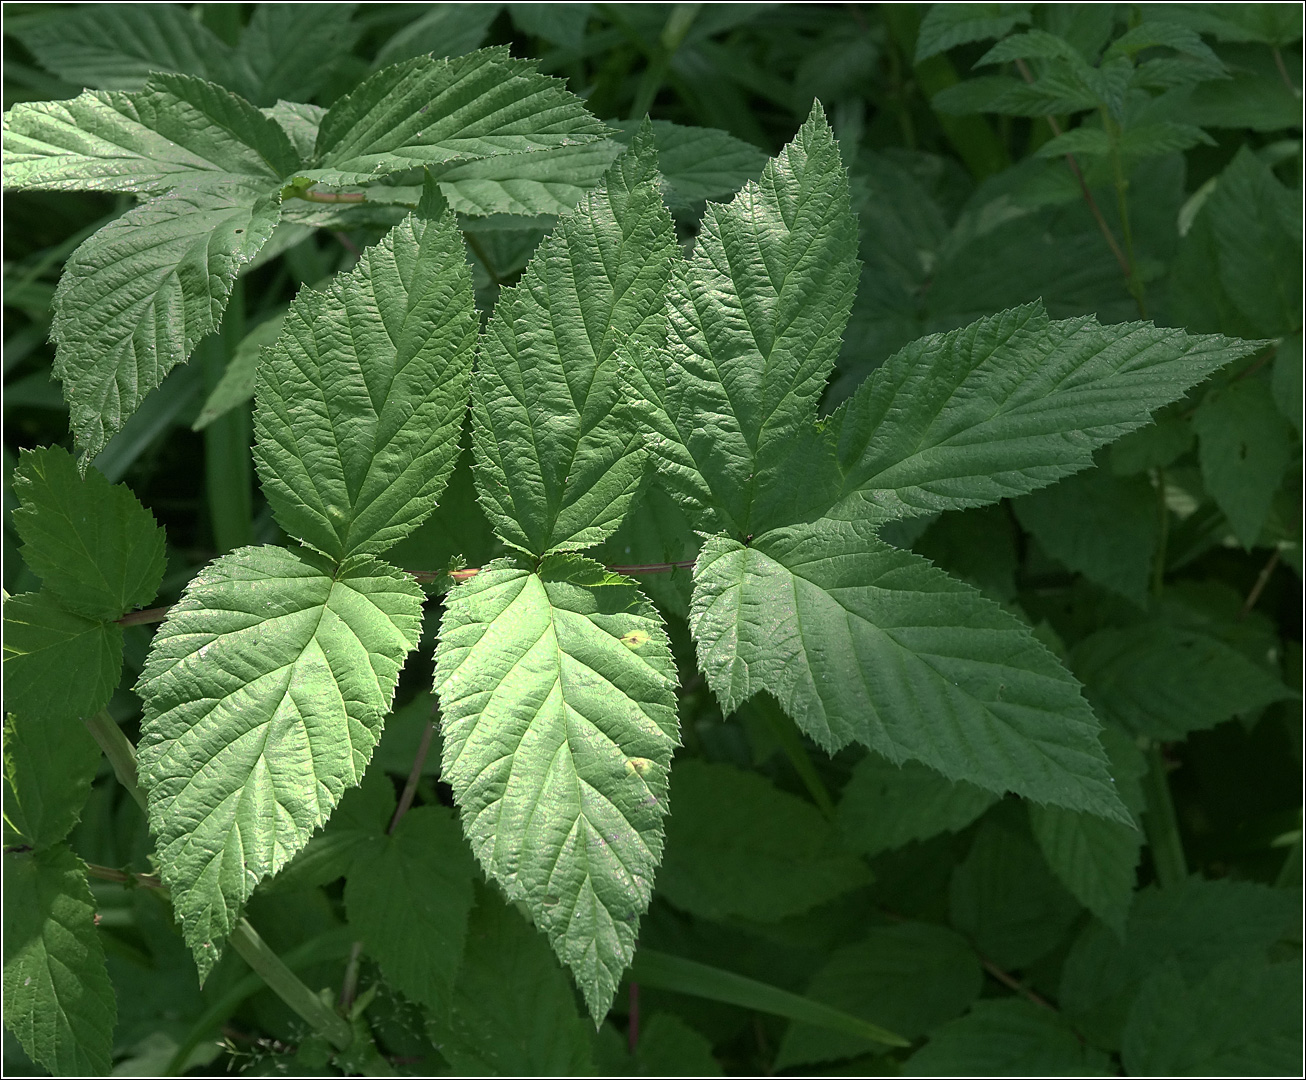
632, 1031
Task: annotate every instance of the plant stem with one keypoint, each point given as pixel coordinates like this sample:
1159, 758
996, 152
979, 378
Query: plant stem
123, 877
288, 987
1012, 983
1163, 536
632, 1029
149, 615
1160, 822
349, 985
653, 568
331, 196
414, 774
673, 33
1133, 281
120, 752
1283, 71
1262, 579
791, 743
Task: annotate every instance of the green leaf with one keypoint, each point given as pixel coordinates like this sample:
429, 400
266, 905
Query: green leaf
667, 1045
1008, 1037
756, 317
180, 131
699, 163
961, 685
444, 30
946, 25
1007, 405
558, 461
428, 111
118, 47
737, 846
1182, 670
361, 400
978, 546
1243, 1019
58, 999
237, 383
94, 545
264, 691
288, 50
1100, 525
527, 184
136, 298
48, 768
513, 1011
885, 805
910, 977
1005, 900
57, 665
559, 722
1244, 444
408, 896
562, 24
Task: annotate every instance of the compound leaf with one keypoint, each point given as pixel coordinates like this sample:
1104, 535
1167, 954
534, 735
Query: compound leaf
136, 298
58, 665
408, 896
264, 691
49, 764
756, 317
93, 544
361, 400
1007, 405
427, 111
809, 612
58, 999
180, 131
558, 461
559, 723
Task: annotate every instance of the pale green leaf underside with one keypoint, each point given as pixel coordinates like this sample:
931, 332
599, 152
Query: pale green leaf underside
558, 460
49, 764
137, 296
58, 999
559, 723
180, 131
527, 184
429, 111
94, 545
756, 318
265, 692
862, 642
361, 399
1007, 405
57, 664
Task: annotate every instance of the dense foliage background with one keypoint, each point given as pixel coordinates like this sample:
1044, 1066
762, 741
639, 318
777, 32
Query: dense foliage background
1168, 578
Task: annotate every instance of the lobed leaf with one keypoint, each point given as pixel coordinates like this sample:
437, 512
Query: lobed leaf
559, 723
361, 400
863, 642
558, 461
264, 692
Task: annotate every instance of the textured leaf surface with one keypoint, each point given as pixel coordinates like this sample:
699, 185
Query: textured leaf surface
884, 806
863, 642
559, 723
700, 163
527, 184
49, 764
426, 111
910, 978
57, 664
94, 545
946, 25
737, 846
361, 399
180, 131
756, 317
513, 1011
287, 51
447, 30
58, 999
1007, 405
137, 296
408, 896
558, 461
1010, 1037
265, 691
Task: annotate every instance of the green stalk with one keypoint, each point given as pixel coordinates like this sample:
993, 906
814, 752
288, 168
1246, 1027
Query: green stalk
1132, 281
120, 752
673, 33
791, 743
1161, 824
228, 464
1163, 537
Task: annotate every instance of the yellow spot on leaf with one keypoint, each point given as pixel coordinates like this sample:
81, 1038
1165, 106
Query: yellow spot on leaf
634, 639
639, 765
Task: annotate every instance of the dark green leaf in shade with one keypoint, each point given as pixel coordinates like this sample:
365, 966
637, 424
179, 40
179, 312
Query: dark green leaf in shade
1286, 380
49, 764
94, 545
961, 685
699, 163
559, 723
513, 1012
1007, 1037
946, 25
884, 806
909, 977
265, 691
978, 546
1006, 901
1155, 446
361, 400
287, 51
558, 461
737, 846
58, 999
57, 665
667, 1046
443, 30
408, 896
237, 383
